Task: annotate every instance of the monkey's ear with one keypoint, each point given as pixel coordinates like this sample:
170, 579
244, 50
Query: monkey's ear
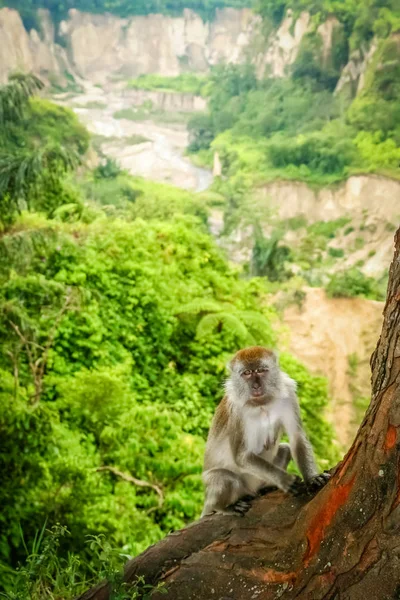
275, 356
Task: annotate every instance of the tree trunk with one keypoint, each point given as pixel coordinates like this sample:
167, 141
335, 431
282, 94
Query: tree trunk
343, 544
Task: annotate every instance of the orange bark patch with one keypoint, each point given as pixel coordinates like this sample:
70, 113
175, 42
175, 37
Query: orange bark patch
333, 501
271, 576
216, 546
347, 460
391, 436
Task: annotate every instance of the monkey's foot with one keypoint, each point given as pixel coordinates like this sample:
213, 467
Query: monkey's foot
298, 487
311, 487
318, 482
239, 509
267, 490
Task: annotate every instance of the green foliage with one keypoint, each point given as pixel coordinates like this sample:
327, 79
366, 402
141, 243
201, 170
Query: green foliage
317, 152
328, 229
45, 575
269, 257
336, 252
147, 111
248, 326
41, 142
25, 175
201, 132
311, 64
14, 96
353, 283
46, 121
186, 83
296, 127
107, 169
361, 20
106, 392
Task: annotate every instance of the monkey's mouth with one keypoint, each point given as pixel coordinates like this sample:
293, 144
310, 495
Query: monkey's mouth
257, 397
258, 400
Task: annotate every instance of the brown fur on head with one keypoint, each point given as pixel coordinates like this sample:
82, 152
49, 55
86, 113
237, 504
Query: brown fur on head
254, 376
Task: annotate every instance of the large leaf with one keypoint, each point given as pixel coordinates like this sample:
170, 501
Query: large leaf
230, 322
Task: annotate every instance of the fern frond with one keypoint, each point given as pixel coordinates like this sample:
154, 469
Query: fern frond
234, 325
230, 322
258, 325
253, 318
197, 306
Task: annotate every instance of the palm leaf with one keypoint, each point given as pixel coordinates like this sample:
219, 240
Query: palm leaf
15, 95
20, 171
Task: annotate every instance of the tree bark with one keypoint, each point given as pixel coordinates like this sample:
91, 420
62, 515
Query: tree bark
343, 544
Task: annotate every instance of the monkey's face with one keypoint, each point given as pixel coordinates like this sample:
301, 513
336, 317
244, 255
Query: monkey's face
254, 375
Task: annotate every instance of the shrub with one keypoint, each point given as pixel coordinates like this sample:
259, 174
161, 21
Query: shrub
336, 252
353, 283
319, 152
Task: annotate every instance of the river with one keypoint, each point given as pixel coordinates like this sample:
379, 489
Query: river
159, 157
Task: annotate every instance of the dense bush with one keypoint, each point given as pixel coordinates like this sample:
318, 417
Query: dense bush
126, 383
40, 144
361, 20
353, 283
187, 83
317, 151
309, 132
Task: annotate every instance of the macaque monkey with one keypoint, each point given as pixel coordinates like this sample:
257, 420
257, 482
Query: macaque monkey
243, 453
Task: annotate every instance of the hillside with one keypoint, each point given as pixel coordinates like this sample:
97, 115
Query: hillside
335, 337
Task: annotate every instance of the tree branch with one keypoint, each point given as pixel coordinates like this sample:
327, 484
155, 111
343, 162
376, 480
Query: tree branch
137, 482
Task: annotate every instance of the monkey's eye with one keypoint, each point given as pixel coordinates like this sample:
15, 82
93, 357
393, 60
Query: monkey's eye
263, 370
246, 373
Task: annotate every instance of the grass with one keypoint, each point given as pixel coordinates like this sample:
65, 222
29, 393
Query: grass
146, 113
48, 575
328, 229
135, 139
93, 104
186, 83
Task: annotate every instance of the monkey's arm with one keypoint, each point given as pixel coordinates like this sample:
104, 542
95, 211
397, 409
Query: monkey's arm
253, 464
300, 446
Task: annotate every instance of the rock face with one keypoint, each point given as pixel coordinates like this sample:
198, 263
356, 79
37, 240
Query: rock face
283, 45
101, 47
20, 50
353, 75
369, 193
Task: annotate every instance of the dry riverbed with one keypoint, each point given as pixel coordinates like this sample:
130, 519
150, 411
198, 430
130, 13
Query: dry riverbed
154, 150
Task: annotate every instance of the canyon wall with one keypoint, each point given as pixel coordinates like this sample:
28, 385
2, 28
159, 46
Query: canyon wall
102, 47
369, 193
105, 47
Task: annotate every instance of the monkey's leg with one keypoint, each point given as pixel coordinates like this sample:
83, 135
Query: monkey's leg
281, 460
223, 490
283, 456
